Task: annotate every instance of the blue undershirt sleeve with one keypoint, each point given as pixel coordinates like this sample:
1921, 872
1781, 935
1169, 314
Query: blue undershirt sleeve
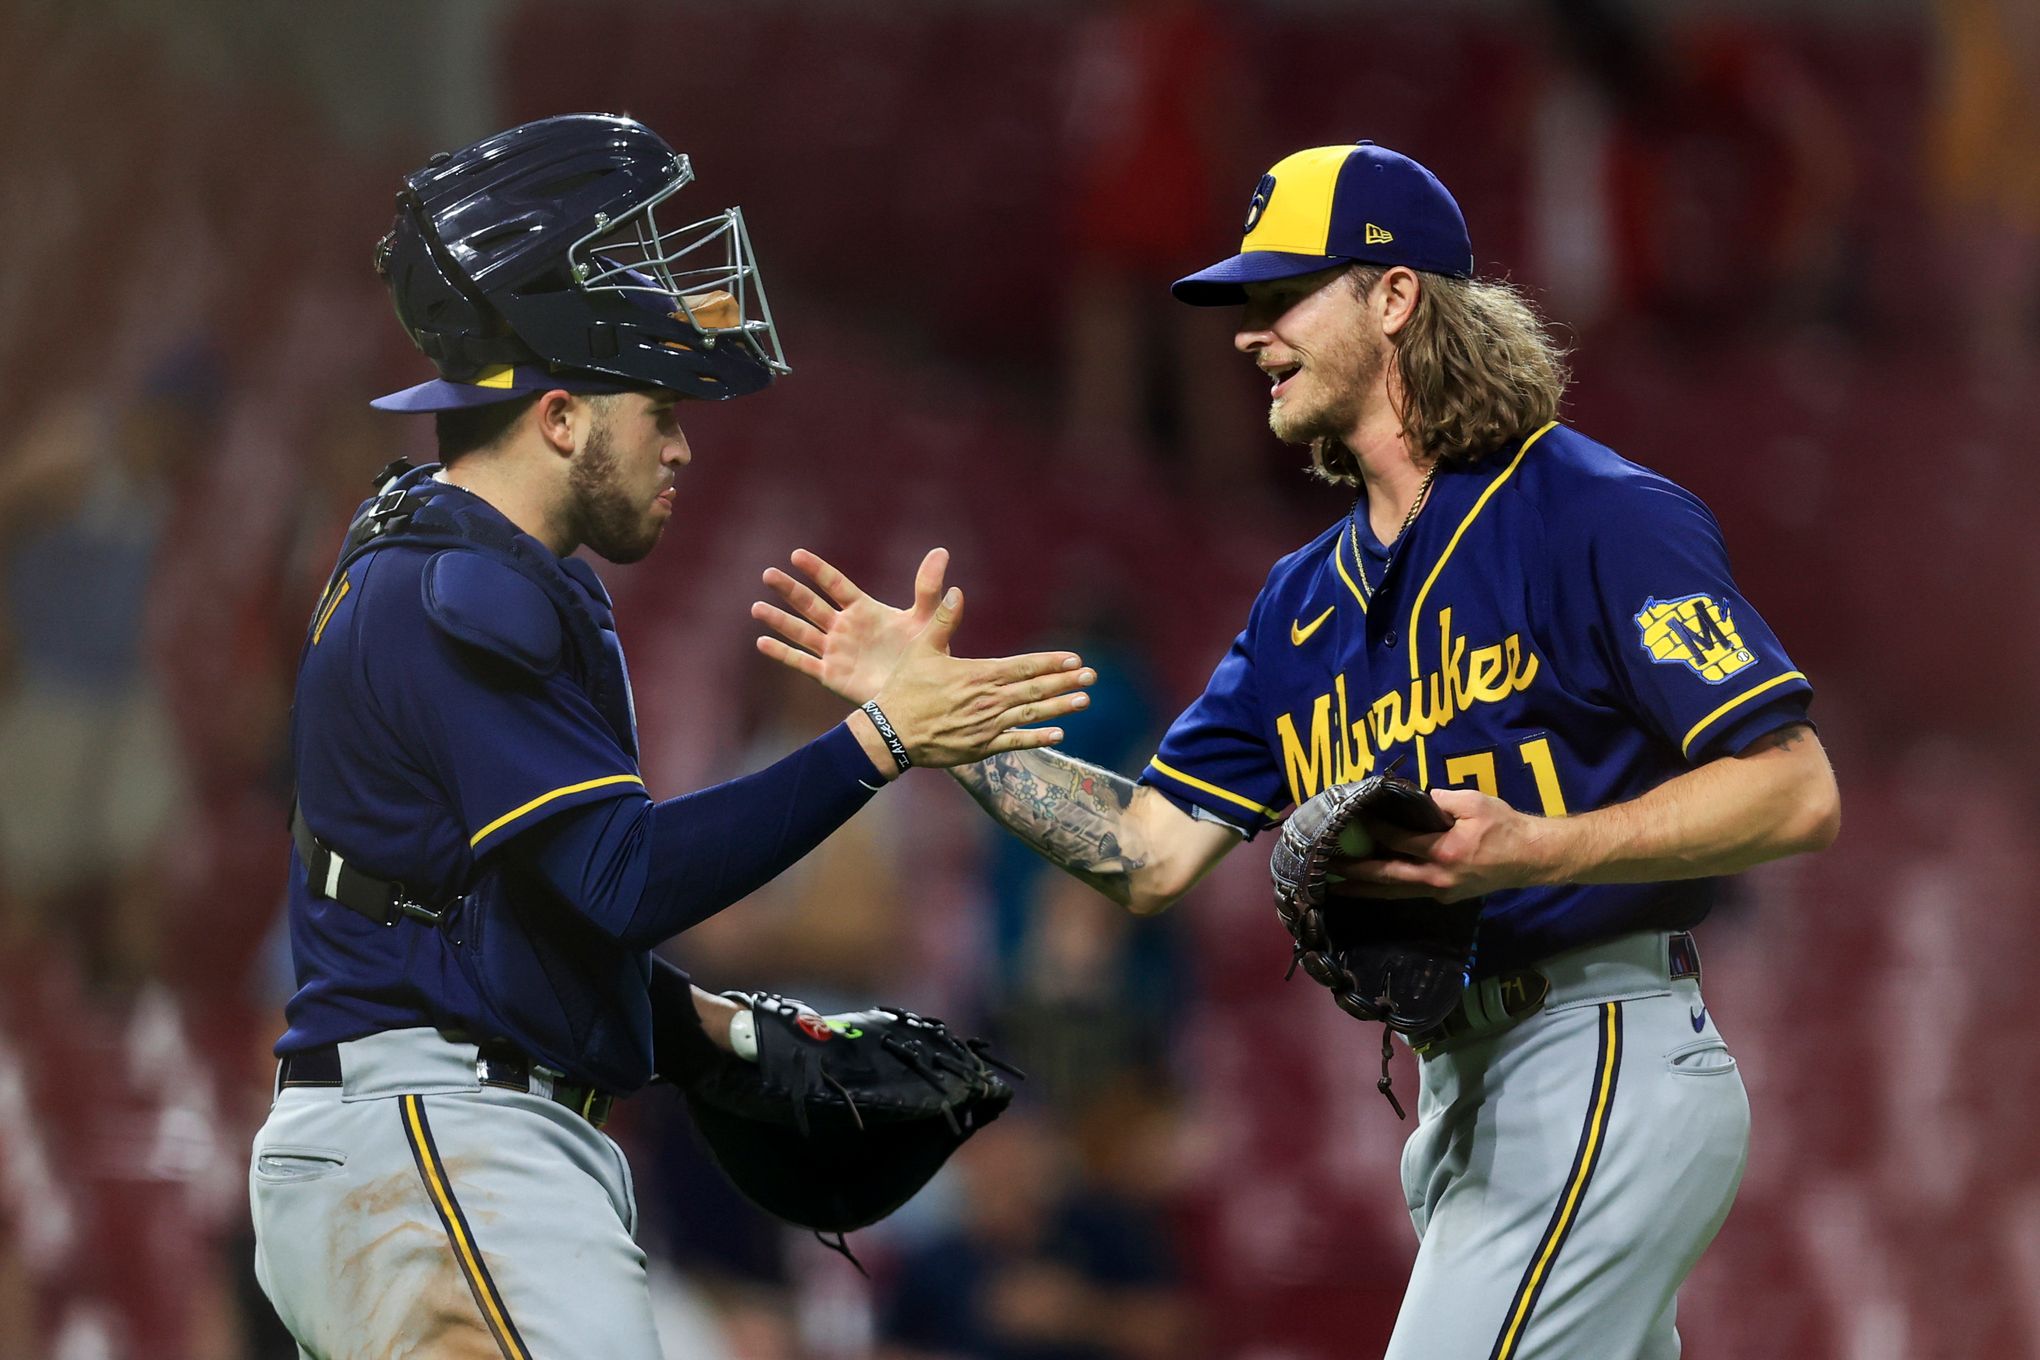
642, 872
681, 1048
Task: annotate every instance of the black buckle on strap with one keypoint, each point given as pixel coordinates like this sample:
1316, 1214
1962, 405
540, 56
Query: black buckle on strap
390, 514
417, 911
330, 876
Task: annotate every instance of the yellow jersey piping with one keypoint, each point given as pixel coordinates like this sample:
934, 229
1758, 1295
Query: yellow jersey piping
1686, 746
1339, 561
545, 798
1416, 671
1212, 789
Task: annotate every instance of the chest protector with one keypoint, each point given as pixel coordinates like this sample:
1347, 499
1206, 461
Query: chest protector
411, 509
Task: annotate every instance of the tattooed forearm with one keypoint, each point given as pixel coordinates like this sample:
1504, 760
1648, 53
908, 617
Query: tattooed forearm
1072, 813
1784, 739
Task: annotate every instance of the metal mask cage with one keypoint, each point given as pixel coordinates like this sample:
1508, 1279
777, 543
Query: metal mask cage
684, 266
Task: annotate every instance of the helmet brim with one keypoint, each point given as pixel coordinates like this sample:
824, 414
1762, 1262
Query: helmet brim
441, 395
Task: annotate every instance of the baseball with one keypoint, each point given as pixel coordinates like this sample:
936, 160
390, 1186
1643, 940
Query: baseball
1354, 842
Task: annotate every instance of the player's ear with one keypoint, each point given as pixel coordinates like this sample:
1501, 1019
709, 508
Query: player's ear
559, 420
1395, 294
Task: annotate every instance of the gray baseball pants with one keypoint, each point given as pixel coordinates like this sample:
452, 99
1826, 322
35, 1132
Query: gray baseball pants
1567, 1170
412, 1211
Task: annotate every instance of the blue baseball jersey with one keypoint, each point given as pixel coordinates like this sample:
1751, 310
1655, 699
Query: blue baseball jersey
420, 757
1558, 628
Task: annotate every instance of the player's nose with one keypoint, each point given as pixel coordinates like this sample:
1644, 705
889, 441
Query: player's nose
675, 452
1255, 331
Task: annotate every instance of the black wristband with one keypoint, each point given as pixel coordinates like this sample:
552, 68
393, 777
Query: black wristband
886, 734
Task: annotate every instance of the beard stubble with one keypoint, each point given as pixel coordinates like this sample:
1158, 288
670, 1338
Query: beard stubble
1344, 375
614, 526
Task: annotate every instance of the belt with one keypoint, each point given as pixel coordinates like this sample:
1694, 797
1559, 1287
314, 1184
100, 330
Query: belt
1495, 1003
497, 1065
1490, 1004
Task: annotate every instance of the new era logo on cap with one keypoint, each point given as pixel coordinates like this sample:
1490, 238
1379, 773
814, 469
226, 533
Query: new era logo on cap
1332, 203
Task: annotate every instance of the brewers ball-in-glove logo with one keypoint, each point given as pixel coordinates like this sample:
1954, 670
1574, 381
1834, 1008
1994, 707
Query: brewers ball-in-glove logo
1694, 631
1263, 191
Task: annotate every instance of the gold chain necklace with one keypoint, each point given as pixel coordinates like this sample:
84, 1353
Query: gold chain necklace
1359, 561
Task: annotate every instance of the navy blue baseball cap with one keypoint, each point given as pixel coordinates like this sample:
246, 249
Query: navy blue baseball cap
499, 382
1353, 204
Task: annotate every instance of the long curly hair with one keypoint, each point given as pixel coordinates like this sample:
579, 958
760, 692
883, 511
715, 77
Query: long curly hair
1478, 368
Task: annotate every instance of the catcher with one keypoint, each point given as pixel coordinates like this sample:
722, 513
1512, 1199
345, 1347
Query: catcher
478, 875
1547, 640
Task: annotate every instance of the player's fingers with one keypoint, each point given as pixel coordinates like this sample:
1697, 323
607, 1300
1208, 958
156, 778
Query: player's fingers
1379, 892
1394, 838
1458, 803
928, 581
1026, 715
1396, 873
804, 601
793, 657
1025, 739
1047, 686
943, 626
795, 630
834, 583
1007, 670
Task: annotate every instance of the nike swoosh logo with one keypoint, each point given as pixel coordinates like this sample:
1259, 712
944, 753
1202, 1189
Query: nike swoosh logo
1299, 633
1699, 1019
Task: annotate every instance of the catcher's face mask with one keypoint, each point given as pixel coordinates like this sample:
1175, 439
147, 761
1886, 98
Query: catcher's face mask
705, 268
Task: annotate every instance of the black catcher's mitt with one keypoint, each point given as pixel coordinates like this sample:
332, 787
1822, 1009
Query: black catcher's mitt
843, 1118
1402, 962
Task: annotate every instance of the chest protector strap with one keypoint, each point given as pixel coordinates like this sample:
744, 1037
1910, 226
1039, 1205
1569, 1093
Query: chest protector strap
330, 876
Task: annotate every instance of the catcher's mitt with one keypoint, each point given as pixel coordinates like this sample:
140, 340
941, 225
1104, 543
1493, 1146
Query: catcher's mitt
843, 1118
1401, 962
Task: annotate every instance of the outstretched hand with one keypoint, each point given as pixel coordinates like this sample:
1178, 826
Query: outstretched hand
834, 633
946, 710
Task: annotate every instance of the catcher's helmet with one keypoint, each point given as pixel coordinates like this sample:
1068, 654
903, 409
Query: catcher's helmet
540, 248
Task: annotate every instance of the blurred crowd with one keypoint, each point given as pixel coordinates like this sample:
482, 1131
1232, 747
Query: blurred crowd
1799, 256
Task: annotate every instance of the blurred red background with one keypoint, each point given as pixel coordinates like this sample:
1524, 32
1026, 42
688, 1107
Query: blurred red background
1797, 250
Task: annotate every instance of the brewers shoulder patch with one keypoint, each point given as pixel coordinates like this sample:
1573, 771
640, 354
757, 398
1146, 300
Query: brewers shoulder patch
1694, 631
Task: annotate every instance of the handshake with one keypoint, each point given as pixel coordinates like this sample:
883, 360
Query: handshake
919, 705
